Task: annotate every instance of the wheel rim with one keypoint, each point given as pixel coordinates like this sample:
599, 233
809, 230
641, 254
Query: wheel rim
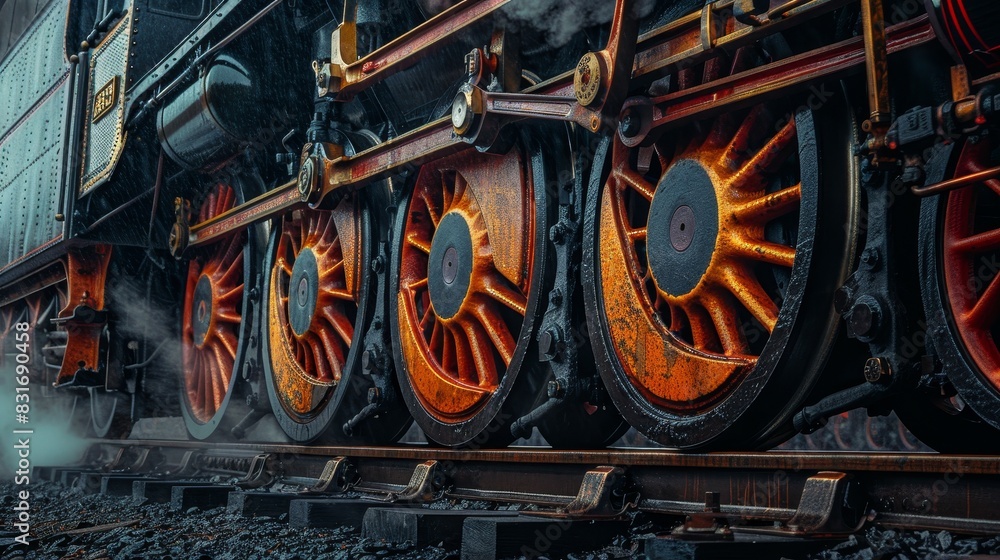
710, 205
722, 390
971, 247
462, 301
313, 305
213, 313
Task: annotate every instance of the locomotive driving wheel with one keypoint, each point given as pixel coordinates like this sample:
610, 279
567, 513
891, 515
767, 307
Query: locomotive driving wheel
468, 260
709, 271
960, 252
215, 321
320, 303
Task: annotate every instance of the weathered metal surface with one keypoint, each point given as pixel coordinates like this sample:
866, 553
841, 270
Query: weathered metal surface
776, 492
87, 269
457, 287
709, 204
310, 284
213, 304
36, 90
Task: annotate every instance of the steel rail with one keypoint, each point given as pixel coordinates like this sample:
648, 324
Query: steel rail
761, 492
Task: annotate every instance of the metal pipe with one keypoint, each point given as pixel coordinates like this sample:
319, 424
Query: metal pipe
956, 183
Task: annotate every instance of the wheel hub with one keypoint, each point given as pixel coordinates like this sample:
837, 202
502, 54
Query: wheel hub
683, 227
201, 304
304, 288
449, 268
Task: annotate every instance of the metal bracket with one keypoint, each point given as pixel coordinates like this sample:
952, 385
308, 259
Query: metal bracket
180, 232
133, 460
259, 474
338, 475
710, 524
603, 493
557, 346
830, 505
376, 361
426, 484
186, 466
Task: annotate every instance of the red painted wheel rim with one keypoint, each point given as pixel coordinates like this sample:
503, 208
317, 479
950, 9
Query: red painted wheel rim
455, 363
209, 361
971, 247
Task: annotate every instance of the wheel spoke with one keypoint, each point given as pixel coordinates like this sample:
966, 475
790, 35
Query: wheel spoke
739, 146
766, 160
465, 366
767, 252
498, 333
334, 352
481, 355
498, 289
421, 244
769, 207
432, 209
729, 331
636, 234
323, 370
228, 315
634, 181
702, 327
340, 323
986, 310
749, 292
228, 341
980, 243
233, 297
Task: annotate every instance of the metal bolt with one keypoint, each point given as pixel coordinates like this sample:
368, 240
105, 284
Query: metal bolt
842, 299
378, 264
630, 124
871, 257
370, 360
556, 296
865, 318
555, 390
547, 344
876, 369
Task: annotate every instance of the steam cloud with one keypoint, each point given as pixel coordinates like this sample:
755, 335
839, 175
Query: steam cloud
560, 20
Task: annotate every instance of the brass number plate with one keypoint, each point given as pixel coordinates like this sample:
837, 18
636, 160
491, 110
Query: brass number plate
105, 99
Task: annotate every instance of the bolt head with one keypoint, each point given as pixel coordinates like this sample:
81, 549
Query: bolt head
554, 390
876, 369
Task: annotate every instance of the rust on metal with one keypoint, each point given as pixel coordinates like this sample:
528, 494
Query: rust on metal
86, 271
213, 302
773, 80
425, 484
350, 75
456, 360
876, 60
684, 350
309, 360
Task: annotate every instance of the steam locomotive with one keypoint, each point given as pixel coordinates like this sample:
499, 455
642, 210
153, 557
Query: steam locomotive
720, 223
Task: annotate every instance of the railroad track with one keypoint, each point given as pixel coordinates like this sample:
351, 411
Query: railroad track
714, 497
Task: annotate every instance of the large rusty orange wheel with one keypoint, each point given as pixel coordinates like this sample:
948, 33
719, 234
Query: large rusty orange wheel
216, 319
960, 275
320, 301
710, 260
468, 263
